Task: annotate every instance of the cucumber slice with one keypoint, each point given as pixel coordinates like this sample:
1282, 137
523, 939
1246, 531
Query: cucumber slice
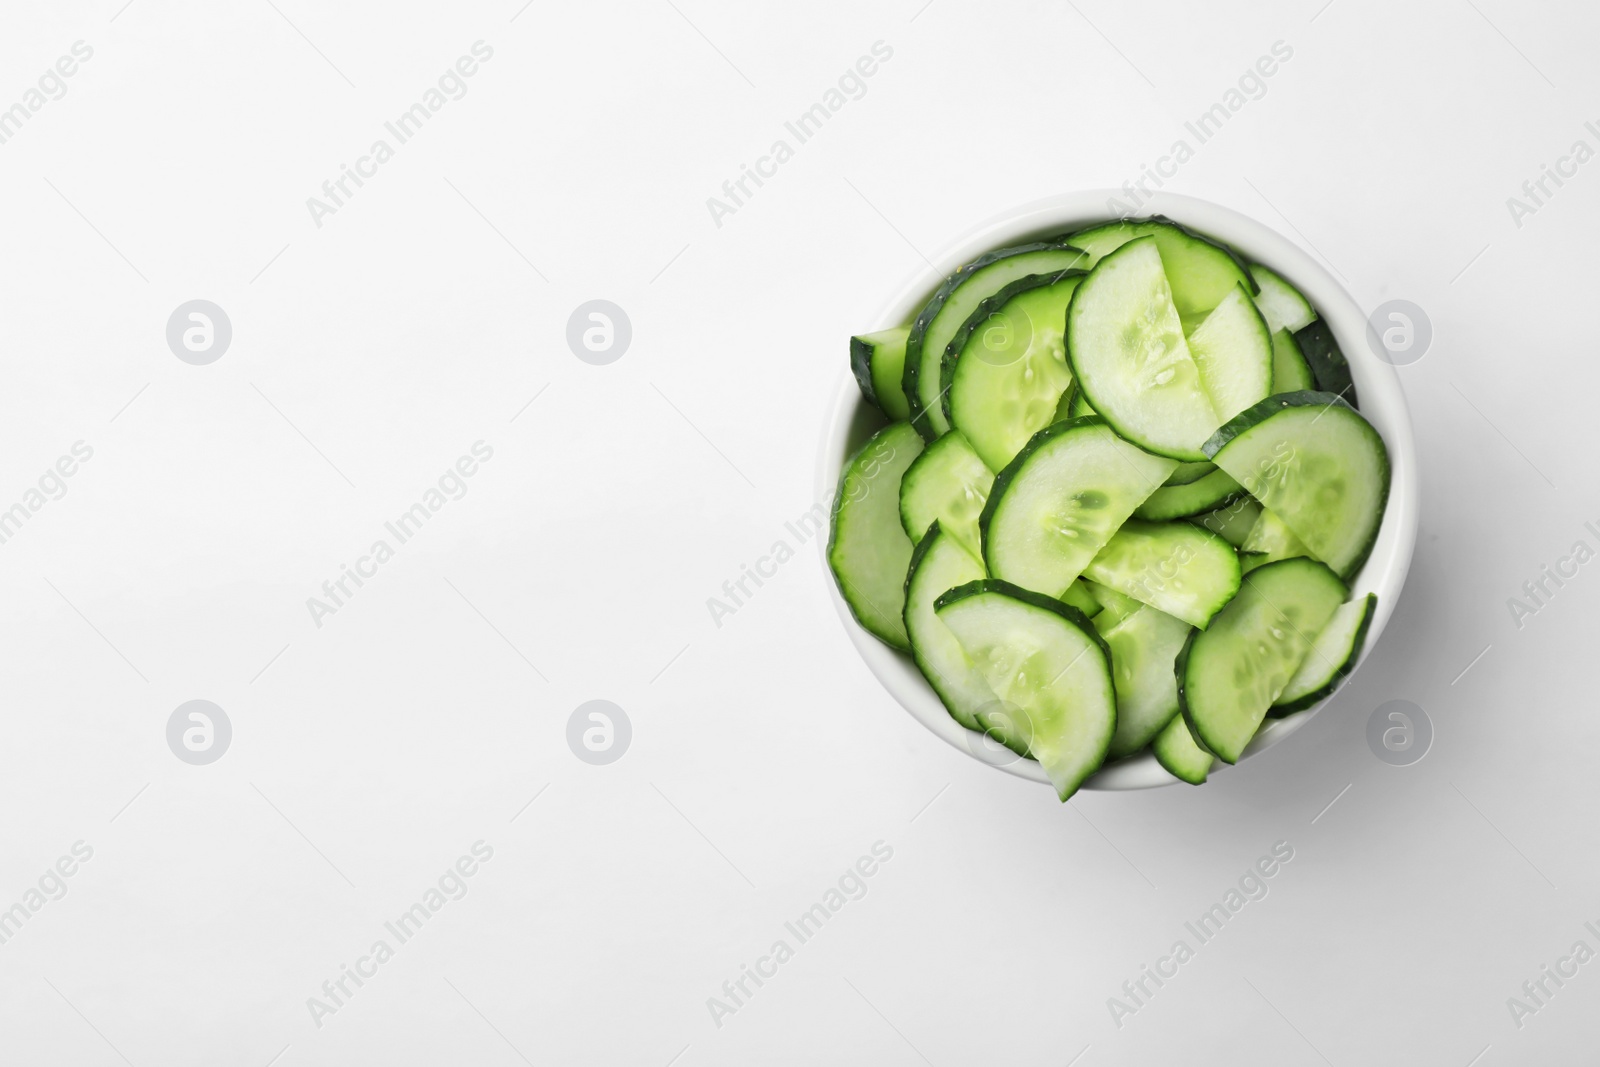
1201, 271
1114, 606
1290, 371
947, 483
1269, 540
1181, 501
1232, 672
1281, 303
1006, 369
1326, 359
1176, 749
1333, 656
1144, 646
1233, 350
1008, 725
878, 360
954, 302
867, 549
1080, 408
1064, 405
1175, 567
1318, 465
939, 564
1190, 472
1130, 359
1060, 500
1233, 522
1046, 659
1078, 596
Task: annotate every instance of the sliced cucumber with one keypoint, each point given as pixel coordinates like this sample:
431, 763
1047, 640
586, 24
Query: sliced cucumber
1004, 722
867, 548
1181, 501
1318, 465
1078, 596
1270, 540
1290, 371
1333, 656
1232, 672
1131, 425
1144, 646
1176, 749
949, 484
1064, 405
1006, 369
1060, 500
1281, 303
1175, 567
1130, 359
1045, 658
1201, 271
878, 360
1190, 472
1233, 350
954, 302
1326, 360
1114, 606
939, 564
1232, 522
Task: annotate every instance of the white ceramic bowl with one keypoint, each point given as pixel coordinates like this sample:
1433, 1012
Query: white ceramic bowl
853, 420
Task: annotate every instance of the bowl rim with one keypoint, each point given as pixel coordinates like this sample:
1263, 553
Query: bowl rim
1377, 388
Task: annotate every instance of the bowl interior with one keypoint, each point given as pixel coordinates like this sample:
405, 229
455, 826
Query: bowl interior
852, 421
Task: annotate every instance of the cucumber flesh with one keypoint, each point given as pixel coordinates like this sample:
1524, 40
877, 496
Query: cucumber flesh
1006, 724
1326, 360
1312, 460
1144, 646
1230, 674
1114, 606
868, 550
949, 484
1175, 567
878, 361
1333, 656
1006, 370
1190, 472
954, 302
1201, 272
1233, 349
1290, 371
1176, 749
1058, 503
1281, 303
1181, 501
1078, 596
1268, 541
1232, 522
1046, 659
1064, 405
1130, 359
939, 564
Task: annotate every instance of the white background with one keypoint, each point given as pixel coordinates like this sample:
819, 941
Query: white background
369, 353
